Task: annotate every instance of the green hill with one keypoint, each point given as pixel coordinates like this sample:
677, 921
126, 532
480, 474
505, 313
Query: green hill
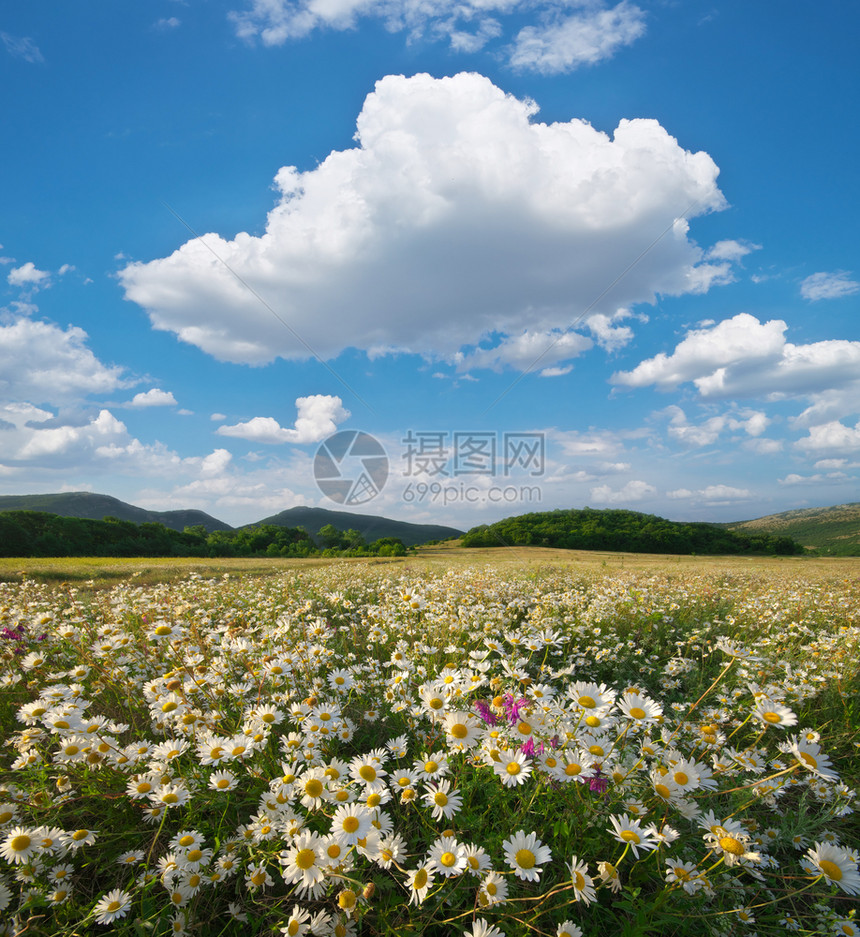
832, 530
625, 531
86, 504
370, 526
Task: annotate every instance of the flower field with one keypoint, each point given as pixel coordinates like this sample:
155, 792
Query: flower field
358, 750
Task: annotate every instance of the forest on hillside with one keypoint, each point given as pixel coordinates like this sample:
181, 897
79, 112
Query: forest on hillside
624, 531
36, 533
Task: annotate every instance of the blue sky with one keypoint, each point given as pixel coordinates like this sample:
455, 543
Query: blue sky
233, 228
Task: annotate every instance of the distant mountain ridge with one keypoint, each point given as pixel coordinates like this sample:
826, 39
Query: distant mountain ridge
833, 529
96, 507
93, 506
370, 526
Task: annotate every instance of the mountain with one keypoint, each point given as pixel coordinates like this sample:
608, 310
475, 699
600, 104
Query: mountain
370, 526
834, 529
95, 507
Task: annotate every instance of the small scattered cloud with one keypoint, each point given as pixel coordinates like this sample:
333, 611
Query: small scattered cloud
565, 43
218, 417
154, 398
634, 490
318, 417
714, 494
22, 47
526, 352
168, 23
731, 250
828, 286
830, 478
706, 433
833, 436
561, 43
28, 275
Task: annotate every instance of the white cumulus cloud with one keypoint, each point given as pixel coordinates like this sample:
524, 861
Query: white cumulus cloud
154, 398
530, 222
833, 436
28, 274
42, 363
318, 418
743, 357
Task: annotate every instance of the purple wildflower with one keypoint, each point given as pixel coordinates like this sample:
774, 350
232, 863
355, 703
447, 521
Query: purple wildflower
485, 713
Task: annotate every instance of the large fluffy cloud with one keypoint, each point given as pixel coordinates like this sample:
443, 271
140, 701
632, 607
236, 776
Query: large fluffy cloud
564, 40
456, 215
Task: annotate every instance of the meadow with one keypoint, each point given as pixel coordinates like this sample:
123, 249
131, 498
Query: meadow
479, 743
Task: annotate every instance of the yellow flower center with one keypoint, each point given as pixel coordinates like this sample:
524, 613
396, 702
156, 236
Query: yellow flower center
524, 728
420, 879
313, 787
572, 770
441, 799
459, 731
637, 712
293, 927
513, 767
373, 800
350, 824
169, 707
431, 766
663, 791
772, 718
186, 841
681, 778
525, 858
448, 859
305, 858
630, 836
731, 845
114, 906
195, 855
20, 843
830, 869
367, 773
587, 702
334, 851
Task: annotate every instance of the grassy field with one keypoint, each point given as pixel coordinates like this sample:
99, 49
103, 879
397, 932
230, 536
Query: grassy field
106, 571
458, 742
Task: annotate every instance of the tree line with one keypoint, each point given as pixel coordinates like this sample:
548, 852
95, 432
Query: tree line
40, 534
626, 532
